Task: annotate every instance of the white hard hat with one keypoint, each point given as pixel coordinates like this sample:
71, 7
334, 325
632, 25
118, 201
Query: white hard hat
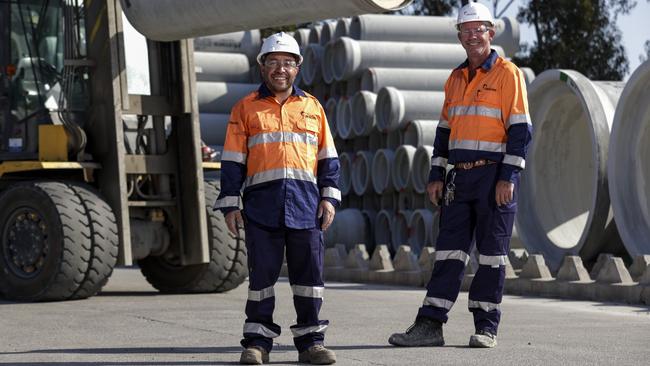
280, 42
474, 12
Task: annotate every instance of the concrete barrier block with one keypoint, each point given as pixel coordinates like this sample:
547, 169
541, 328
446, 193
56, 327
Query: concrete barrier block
380, 259
518, 257
639, 266
602, 258
544, 287
572, 269
613, 271
578, 290
333, 264
618, 292
510, 271
343, 251
644, 279
356, 264
645, 295
407, 270
426, 262
535, 268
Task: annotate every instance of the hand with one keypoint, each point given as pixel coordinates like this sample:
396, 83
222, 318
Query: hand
504, 192
326, 212
234, 221
434, 189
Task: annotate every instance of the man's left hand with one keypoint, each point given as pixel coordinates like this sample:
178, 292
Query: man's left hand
504, 192
326, 213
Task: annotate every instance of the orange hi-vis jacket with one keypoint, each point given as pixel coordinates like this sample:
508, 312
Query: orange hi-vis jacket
283, 156
486, 118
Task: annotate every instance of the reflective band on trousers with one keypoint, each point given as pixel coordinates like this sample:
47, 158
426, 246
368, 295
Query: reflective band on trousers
308, 291
331, 192
299, 332
474, 110
274, 174
452, 254
492, 260
517, 161
233, 156
270, 137
227, 201
483, 305
438, 302
260, 295
258, 328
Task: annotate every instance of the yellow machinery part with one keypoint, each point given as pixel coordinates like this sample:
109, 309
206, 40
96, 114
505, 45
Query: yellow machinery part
52, 143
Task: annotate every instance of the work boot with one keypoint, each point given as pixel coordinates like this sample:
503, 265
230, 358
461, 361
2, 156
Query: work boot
483, 339
424, 332
254, 356
317, 355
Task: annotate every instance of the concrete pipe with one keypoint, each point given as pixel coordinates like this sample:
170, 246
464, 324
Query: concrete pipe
400, 229
330, 113
213, 127
327, 63
302, 37
420, 132
564, 206
224, 67
327, 33
217, 97
342, 28
529, 74
338, 89
424, 229
395, 108
314, 33
349, 227
429, 29
353, 86
629, 163
311, 67
370, 216
363, 113
376, 140
393, 140
383, 227
408, 200
352, 57
343, 119
170, 20
421, 168
320, 91
375, 78
246, 42
382, 164
362, 173
345, 179
402, 168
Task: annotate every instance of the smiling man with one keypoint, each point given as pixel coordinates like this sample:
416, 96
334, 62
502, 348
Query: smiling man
484, 132
280, 151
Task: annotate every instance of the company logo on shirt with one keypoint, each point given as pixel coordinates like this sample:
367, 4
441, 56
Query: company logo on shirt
486, 87
309, 116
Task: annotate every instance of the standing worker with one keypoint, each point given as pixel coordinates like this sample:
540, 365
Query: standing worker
484, 132
279, 149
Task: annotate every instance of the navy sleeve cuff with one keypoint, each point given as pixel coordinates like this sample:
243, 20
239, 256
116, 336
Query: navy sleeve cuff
437, 174
226, 210
508, 173
333, 201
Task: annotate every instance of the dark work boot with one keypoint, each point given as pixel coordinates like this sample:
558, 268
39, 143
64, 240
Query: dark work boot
483, 339
424, 332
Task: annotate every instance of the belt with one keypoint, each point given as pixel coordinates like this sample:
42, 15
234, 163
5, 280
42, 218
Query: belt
473, 164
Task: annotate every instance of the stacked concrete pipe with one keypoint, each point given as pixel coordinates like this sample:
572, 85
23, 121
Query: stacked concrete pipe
362, 173
243, 42
363, 113
224, 67
375, 78
420, 132
421, 168
395, 108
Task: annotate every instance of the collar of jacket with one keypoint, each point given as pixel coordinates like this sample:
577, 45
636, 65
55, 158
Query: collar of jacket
486, 65
263, 91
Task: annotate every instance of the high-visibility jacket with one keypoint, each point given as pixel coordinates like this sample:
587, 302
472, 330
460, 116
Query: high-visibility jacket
486, 118
283, 156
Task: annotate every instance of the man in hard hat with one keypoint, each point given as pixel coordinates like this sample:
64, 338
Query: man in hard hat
279, 149
484, 132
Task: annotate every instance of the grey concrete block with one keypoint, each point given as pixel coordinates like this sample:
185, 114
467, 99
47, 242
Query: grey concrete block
602, 258
518, 257
407, 270
510, 271
613, 271
426, 262
639, 266
618, 292
577, 290
535, 267
333, 258
380, 259
356, 265
644, 279
645, 295
572, 269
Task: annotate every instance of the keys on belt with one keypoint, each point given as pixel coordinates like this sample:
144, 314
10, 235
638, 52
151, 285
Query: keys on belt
451, 188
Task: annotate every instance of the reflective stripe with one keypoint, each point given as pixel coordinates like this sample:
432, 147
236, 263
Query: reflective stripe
261, 294
327, 153
483, 305
438, 302
299, 332
315, 292
442, 255
331, 192
475, 110
517, 119
236, 157
443, 124
517, 161
477, 145
289, 173
493, 260
269, 137
258, 328
439, 162
227, 201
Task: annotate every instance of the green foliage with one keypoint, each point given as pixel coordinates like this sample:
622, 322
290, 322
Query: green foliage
430, 7
646, 47
265, 32
579, 35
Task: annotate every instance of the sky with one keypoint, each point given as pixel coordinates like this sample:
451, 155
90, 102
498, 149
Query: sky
632, 27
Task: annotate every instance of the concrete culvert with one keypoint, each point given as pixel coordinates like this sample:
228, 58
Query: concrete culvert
375, 78
342, 28
564, 206
349, 227
327, 33
226, 67
314, 33
218, 97
395, 108
302, 37
382, 165
330, 113
420, 132
421, 168
311, 67
361, 173
246, 42
363, 113
403, 168
383, 227
343, 119
400, 229
345, 178
424, 229
629, 163
327, 63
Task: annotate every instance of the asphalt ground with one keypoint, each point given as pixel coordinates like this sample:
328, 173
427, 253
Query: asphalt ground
129, 323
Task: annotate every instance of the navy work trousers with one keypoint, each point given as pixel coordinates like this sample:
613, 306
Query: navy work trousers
473, 212
304, 252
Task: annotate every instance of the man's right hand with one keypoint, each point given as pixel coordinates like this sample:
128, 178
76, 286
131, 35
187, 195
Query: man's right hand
434, 189
234, 221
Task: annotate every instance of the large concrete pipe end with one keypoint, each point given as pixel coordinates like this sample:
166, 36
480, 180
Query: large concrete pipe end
564, 206
311, 66
389, 109
629, 162
363, 113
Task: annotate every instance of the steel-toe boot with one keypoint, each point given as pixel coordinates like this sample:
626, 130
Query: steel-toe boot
483, 339
424, 332
317, 355
254, 356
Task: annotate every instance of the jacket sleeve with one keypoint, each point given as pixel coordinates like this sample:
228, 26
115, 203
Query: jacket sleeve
328, 163
441, 142
514, 106
233, 162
